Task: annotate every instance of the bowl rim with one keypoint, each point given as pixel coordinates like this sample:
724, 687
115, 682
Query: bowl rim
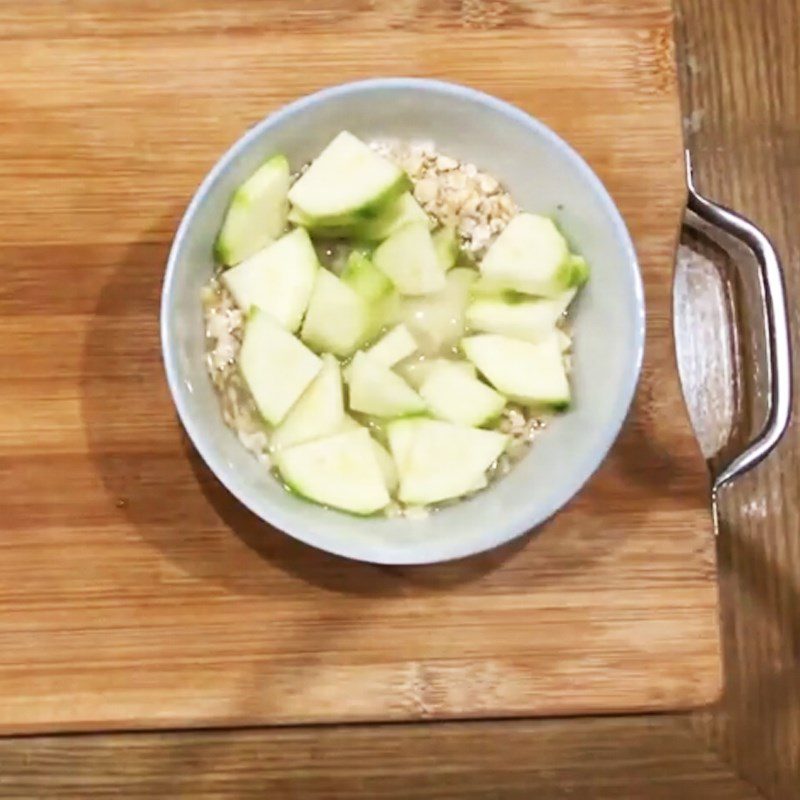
627, 391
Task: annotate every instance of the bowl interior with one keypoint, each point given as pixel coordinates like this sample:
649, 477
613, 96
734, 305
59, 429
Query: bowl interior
543, 175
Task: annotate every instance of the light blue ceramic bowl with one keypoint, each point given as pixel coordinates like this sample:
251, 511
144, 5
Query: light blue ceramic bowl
543, 174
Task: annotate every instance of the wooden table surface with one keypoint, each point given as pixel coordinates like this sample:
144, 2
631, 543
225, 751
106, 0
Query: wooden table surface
153, 597
739, 64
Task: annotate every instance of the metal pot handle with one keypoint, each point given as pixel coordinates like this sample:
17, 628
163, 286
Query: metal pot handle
778, 347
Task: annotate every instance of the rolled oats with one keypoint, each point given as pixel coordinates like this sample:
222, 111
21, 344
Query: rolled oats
426, 191
454, 192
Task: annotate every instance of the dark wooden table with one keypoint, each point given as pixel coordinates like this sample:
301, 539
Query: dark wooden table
739, 63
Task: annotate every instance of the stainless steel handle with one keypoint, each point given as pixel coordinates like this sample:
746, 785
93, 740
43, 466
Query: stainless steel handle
778, 348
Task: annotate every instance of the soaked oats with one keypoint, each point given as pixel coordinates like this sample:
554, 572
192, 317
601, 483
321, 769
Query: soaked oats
454, 193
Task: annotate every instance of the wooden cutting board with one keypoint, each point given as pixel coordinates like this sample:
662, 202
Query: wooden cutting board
134, 591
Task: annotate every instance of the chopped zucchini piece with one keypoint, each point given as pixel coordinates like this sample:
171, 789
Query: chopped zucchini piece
338, 319
439, 460
532, 318
529, 373
531, 256
393, 347
375, 389
445, 240
257, 213
276, 366
341, 471
417, 371
347, 183
454, 396
437, 320
278, 279
319, 411
408, 257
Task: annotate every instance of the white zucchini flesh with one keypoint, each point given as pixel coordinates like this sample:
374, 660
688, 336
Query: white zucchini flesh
409, 258
278, 279
319, 412
529, 373
374, 389
454, 396
437, 320
338, 319
257, 213
393, 347
348, 182
276, 366
530, 256
445, 240
341, 471
416, 371
439, 461
532, 319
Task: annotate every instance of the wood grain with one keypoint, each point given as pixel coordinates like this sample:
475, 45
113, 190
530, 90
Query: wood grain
740, 63
134, 591
597, 759
757, 726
